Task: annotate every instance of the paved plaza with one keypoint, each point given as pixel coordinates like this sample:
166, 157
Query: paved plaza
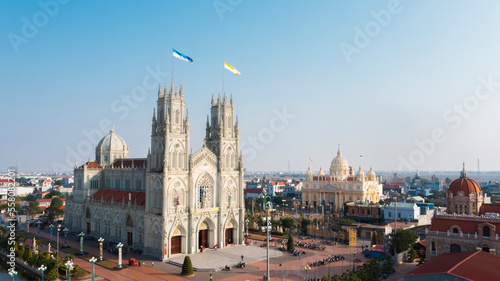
214, 260
282, 265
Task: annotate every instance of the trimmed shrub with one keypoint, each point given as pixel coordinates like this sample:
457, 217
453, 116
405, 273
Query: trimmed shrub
290, 244
187, 266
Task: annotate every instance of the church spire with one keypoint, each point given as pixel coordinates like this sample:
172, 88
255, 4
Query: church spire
181, 92
213, 102
463, 173
207, 133
231, 99
160, 94
165, 92
225, 100
154, 115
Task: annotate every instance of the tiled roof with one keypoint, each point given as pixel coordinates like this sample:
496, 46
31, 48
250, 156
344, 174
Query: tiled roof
474, 265
467, 224
139, 197
490, 208
6, 180
91, 165
465, 185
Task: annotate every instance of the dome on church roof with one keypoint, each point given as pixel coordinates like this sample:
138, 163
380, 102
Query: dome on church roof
112, 142
339, 163
464, 184
321, 173
371, 174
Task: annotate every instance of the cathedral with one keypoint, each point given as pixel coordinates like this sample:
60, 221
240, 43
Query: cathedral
342, 185
173, 201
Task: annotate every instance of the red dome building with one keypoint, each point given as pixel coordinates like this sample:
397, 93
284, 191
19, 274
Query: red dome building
464, 196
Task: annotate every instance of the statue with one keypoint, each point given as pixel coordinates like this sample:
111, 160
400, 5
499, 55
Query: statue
178, 200
34, 245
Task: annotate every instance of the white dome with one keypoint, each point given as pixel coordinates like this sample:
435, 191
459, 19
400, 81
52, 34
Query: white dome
110, 148
371, 174
112, 142
321, 173
339, 166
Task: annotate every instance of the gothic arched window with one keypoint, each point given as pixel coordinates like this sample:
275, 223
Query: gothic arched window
177, 117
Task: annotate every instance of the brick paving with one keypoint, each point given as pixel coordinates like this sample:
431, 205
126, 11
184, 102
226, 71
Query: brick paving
292, 267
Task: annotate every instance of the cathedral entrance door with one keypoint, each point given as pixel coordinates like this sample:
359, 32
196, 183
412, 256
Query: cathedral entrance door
229, 236
88, 228
202, 238
175, 245
129, 238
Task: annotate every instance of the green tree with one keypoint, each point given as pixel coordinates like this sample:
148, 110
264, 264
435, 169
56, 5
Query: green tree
277, 201
22, 181
27, 253
403, 240
290, 245
52, 274
58, 182
55, 209
346, 222
303, 224
52, 194
447, 180
260, 200
289, 223
187, 266
34, 207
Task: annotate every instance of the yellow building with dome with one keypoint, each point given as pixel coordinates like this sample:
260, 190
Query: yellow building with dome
341, 185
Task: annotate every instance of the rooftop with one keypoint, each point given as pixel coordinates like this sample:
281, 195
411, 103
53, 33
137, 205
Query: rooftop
474, 265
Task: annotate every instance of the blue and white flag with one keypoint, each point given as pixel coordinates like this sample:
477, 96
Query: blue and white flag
181, 56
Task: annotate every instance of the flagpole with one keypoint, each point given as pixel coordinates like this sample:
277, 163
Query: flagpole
223, 79
172, 70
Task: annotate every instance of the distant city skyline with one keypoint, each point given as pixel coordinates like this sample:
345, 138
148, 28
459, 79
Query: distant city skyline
407, 85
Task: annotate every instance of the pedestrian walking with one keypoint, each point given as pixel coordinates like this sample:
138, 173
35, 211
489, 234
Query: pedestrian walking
152, 264
210, 277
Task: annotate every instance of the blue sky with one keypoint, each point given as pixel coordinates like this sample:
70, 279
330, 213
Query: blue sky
419, 74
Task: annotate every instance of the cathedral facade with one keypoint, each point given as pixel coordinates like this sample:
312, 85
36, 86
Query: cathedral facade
173, 201
341, 185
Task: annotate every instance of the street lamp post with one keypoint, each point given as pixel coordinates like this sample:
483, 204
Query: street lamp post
51, 228
57, 253
81, 235
307, 268
100, 247
69, 266
354, 261
267, 206
120, 245
92, 261
13, 274
65, 230
28, 223
42, 269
